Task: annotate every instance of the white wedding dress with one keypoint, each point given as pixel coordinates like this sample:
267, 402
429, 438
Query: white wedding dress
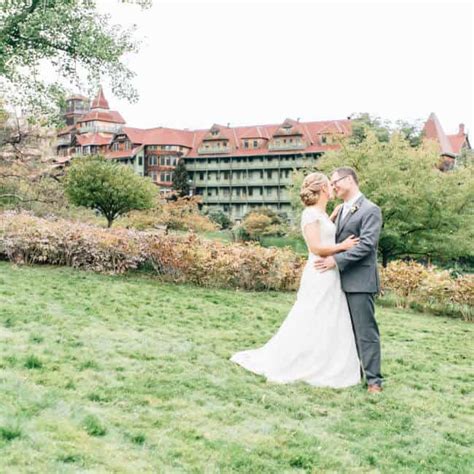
315, 343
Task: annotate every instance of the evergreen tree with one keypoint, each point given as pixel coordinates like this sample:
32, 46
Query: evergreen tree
180, 179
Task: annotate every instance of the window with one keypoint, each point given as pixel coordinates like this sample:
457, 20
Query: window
152, 160
201, 176
154, 176
162, 177
168, 161
269, 174
255, 144
140, 160
128, 145
250, 191
246, 144
162, 160
324, 139
269, 191
115, 146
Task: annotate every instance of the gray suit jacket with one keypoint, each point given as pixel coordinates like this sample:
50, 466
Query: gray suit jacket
358, 266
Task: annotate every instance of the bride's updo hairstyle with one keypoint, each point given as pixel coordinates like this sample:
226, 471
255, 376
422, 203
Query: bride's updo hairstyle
311, 188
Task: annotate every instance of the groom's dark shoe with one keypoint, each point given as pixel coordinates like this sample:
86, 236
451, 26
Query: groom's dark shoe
374, 389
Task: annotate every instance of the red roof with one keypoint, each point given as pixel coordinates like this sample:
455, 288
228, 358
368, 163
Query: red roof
122, 153
433, 131
457, 142
309, 130
103, 116
93, 139
160, 136
100, 102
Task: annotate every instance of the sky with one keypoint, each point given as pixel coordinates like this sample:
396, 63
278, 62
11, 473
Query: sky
256, 62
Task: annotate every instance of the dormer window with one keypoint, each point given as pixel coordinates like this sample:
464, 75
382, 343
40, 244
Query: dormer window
246, 144
215, 130
255, 144
324, 139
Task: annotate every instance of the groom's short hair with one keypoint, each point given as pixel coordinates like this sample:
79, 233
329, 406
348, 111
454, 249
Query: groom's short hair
347, 171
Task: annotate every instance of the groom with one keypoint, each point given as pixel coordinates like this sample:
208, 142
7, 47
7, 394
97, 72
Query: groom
358, 268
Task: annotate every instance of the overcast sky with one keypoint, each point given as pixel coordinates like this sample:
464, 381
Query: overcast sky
255, 62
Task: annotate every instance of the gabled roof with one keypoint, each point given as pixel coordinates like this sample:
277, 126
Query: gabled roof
100, 102
93, 139
433, 131
122, 153
289, 127
218, 132
100, 111
460, 140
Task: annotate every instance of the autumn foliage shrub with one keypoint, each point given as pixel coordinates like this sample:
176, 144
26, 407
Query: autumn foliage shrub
430, 288
211, 263
25, 239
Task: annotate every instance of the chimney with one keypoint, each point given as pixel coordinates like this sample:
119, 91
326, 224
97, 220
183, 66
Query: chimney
461, 129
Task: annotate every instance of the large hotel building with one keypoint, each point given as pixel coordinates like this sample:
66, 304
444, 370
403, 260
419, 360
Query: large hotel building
234, 169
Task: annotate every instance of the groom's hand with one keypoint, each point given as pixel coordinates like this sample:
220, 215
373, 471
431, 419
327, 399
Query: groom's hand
324, 264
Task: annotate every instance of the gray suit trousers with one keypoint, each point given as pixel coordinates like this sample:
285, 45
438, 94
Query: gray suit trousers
362, 309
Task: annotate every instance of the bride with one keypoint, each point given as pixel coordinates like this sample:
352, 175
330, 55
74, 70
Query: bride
315, 343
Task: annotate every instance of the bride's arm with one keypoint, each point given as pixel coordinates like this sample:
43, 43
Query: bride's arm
312, 234
335, 212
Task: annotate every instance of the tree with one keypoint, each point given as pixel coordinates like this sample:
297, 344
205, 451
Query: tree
68, 36
27, 175
261, 223
110, 188
220, 218
364, 123
180, 179
426, 213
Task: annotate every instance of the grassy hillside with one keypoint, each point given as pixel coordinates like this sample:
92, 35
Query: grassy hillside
125, 374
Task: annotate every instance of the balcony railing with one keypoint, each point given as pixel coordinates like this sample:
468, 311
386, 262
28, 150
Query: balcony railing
286, 146
246, 199
100, 129
241, 182
263, 165
202, 150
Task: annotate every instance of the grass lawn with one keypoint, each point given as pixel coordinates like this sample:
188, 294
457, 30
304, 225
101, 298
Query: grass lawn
125, 374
